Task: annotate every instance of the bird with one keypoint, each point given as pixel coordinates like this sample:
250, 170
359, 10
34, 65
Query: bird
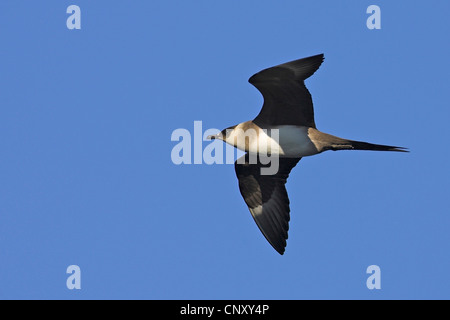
283, 132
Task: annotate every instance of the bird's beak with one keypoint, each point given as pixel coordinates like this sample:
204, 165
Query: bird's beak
214, 136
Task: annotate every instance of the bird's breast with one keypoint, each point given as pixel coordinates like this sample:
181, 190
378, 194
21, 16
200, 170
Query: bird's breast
286, 141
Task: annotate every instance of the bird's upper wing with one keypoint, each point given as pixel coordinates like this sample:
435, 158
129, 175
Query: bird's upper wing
286, 99
266, 197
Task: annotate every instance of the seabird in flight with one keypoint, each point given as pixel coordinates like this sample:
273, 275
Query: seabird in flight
288, 109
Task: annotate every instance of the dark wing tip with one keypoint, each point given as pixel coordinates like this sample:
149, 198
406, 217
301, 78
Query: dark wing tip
306, 67
280, 250
272, 219
300, 69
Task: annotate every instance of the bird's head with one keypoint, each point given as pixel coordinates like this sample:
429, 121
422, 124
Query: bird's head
222, 135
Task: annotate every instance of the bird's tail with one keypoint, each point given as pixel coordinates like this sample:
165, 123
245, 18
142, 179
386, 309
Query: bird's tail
359, 145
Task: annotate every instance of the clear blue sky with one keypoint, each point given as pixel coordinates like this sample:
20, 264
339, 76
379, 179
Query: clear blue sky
86, 176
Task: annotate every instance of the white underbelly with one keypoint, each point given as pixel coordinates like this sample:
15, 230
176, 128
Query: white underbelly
286, 141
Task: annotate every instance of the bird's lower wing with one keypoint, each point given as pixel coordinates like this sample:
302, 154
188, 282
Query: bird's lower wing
266, 196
